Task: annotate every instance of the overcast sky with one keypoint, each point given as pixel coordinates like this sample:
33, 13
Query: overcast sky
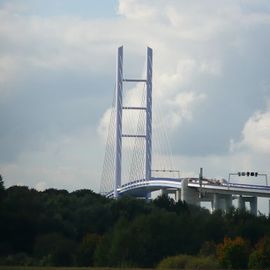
57, 70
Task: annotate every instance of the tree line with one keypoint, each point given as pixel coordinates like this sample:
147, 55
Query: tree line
82, 228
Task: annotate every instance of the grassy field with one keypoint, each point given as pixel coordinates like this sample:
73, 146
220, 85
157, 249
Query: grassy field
48, 268
59, 268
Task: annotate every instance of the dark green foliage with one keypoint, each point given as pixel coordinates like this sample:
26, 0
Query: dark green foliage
202, 263
156, 235
56, 227
54, 249
188, 262
174, 262
247, 225
49, 225
86, 250
208, 249
260, 257
233, 253
2, 187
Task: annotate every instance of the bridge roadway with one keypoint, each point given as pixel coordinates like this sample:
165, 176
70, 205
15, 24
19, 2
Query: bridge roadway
140, 188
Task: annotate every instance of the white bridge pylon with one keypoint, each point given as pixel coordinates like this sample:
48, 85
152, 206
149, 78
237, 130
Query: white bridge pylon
118, 118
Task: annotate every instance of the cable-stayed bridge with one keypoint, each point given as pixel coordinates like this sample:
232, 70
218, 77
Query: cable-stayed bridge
129, 158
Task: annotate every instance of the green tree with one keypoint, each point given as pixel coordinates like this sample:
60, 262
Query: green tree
102, 252
165, 202
188, 262
2, 191
233, 253
260, 257
149, 238
2, 187
174, 262
208, 248
86, 250
55, 249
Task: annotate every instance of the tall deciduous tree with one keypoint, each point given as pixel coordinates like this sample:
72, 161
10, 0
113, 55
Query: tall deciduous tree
233, 253
260, 257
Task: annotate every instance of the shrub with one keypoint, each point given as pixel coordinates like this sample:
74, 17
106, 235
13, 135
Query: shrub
260, 257
208, 249
206, 263
188, 262
86, 250
175, 262
18, 259
233, 253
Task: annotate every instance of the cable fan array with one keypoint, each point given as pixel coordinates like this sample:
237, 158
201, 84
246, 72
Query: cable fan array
107, 176
133, 149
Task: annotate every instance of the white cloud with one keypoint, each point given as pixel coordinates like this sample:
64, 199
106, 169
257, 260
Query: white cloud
66, 162
57, 43
256, 134
104, 124
8, 67
40, 186
138, 10
173, 112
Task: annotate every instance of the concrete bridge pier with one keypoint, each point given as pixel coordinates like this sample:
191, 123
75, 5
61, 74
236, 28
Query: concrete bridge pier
178, 195
221, 202
253, 201
228, 201
189, 195
148, 196
254, 205
241, 203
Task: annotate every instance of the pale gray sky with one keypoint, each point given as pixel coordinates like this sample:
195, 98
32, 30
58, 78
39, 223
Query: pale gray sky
57, 70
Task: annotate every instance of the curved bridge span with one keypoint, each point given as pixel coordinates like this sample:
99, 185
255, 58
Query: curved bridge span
140, 188
194, 190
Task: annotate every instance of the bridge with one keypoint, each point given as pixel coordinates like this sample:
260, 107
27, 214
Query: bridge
141, 182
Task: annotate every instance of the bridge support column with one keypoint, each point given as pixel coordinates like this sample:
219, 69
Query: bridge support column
217, 202
253, 201
228, 202
189, 195
241, 203
148, 196
178, 195
221, 202
253, 205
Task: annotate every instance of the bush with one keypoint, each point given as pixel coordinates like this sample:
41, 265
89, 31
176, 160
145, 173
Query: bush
208, 249
18, 259
188, 262
54, 249
233, 253
202, 263
86, 250
255, 260
260, 257
175, 262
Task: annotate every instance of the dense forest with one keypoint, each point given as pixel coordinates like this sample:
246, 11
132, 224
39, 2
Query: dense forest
82, 228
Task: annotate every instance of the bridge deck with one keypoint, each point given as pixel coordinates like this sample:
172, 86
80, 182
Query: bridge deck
141, 187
